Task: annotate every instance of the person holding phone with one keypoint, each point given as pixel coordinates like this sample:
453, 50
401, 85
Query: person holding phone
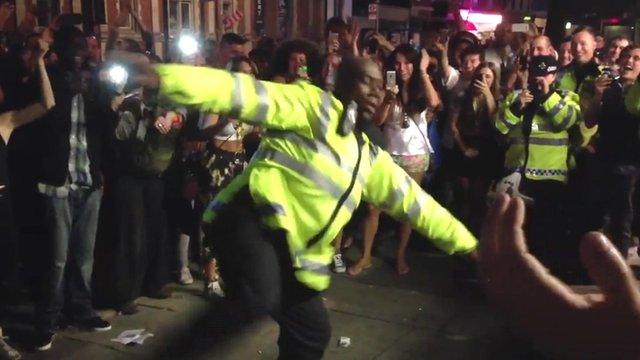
295, 60
406, 111
478, 155
536, 123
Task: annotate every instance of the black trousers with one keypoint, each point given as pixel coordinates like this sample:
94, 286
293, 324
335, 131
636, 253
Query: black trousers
140, 262
547, 225
256, 267
619, 205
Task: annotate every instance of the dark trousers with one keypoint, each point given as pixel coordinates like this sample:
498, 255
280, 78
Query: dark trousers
619, 206
71, 223
256, 267
140, 265
547, 225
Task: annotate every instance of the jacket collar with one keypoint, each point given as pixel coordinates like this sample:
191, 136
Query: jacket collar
348, 121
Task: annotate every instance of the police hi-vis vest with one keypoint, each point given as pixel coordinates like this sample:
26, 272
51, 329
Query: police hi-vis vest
567, 80
549, 139
312, 168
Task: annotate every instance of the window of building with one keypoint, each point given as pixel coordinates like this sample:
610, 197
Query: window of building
181, 16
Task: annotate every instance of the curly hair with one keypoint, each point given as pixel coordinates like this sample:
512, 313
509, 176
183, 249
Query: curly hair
280, 63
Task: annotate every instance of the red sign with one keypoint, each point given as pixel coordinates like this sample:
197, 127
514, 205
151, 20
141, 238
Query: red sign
232, 19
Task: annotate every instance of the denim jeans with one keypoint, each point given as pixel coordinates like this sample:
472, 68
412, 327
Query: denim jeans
71, 227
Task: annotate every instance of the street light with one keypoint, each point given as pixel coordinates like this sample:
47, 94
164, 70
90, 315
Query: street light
188, 45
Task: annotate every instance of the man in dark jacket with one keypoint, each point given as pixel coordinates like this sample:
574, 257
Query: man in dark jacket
72, 142
618, 146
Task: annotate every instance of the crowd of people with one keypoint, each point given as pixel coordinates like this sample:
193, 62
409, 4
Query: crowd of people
125, 172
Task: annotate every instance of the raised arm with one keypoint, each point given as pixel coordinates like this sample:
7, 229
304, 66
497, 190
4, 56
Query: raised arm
563, 111
114, 27
270, 105
433, 98
509, 114
389, 188
11, 120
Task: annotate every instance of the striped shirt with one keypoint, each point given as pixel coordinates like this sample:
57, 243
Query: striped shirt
79, 173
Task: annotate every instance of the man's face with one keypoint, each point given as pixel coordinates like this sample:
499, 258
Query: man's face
540, 46
599, 42
583, 47
503, 34
616, 48
368, 91
93, 47
565, 56
630, 65
470, 63
229, 51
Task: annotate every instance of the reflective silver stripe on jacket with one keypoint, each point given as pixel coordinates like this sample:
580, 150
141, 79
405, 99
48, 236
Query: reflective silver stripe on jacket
325, 116
541, 141
566, 120
503, 119
557, 108
397, 195
236, 99
313, 266
263, 102
323, 181
271, 209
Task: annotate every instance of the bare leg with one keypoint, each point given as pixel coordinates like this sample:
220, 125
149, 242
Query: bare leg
404, 233
369, 230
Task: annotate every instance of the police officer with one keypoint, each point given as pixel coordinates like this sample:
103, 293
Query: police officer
313, 167
535, 121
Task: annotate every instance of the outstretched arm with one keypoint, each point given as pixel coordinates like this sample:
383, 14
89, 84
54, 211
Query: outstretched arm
270, 105
393, 191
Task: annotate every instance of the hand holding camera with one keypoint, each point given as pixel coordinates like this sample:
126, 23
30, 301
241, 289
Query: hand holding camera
525, 98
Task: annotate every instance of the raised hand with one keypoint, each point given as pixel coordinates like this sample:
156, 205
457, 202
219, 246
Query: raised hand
424, 61
525, 98
556, 317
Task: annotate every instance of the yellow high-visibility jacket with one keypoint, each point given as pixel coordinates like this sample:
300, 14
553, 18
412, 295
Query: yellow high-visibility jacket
312, 168
580, 134
549, 139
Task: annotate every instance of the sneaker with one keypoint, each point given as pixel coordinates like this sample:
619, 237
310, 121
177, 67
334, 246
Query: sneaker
95, 324
7, 352
185, 276
338, 265
44, 341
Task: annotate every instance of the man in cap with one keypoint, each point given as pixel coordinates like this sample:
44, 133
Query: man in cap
535, 121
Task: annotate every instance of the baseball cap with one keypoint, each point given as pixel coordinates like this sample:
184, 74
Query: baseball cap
543, 65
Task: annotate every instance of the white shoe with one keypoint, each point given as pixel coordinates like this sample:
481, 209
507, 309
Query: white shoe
185, 276
338, 265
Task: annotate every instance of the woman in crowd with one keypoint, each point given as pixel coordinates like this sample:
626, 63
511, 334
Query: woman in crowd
228, 145
405, 114
296, 59
9, 120
478, 155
